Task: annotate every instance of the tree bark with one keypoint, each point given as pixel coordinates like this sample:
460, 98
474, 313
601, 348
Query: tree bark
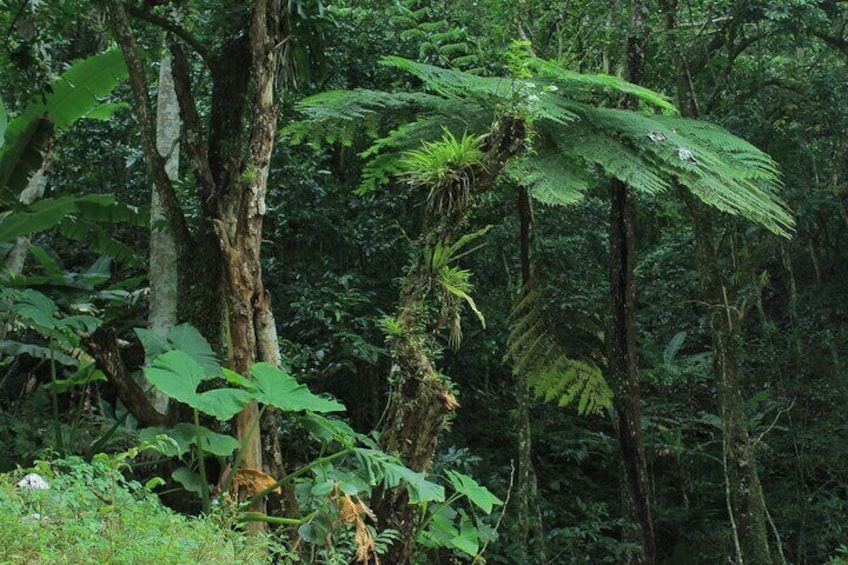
162, 258
745, 497
529, 521
623, 368
746, 504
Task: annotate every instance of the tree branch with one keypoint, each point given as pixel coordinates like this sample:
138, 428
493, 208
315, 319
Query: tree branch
103, 346
170, 27
146, 120
195, 140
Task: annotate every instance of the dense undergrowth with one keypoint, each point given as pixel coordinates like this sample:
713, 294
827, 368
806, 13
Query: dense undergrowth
91, 514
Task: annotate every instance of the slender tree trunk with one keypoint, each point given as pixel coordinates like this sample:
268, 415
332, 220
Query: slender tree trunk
529, 523
623, 355
624, 371
231, 166
745, 498
746, 504
164, 287
34, 190
421, 400
15, 259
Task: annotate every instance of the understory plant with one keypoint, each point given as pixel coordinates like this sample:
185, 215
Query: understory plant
323, 499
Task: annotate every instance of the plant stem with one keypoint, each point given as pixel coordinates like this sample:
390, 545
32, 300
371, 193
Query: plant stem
204, 485
54, 393
258, 517
299, 472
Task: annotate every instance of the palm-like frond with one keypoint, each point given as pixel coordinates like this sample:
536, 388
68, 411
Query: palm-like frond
77, 93
561, 365
650, 152
553, 178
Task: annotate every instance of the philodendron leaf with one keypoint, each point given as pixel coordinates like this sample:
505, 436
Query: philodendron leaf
185, 435
222, 403
467, 541
477, 494
186, 337
181, 441
276, 387
189, 479
177, 375
153, 343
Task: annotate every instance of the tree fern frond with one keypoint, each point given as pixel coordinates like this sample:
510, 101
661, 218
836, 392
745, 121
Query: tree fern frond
335, 116
575, 83
552, 177
721, 169
451, 83
615, 158
556, 371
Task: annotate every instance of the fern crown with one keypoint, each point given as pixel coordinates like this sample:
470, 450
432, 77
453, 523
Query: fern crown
575, 136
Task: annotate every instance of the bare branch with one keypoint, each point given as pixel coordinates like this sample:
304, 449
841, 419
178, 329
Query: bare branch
170, 27
146, 120
195, 139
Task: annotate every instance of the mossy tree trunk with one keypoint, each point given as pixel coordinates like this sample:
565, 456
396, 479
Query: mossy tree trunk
745, 501
529, 520
421, 398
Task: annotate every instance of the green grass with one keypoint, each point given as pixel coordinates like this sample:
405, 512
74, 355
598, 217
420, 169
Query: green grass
91, 514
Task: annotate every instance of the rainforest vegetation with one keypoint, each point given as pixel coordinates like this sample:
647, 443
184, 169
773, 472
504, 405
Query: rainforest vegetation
407, 282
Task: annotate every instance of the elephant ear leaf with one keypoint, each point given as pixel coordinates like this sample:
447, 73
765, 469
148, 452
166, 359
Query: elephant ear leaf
76, 94
278, 388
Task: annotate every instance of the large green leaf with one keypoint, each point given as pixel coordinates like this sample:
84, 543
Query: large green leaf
278, 388
222, 403
477, 494
178, 375
185, 435
187, 338
76, 93
50, 212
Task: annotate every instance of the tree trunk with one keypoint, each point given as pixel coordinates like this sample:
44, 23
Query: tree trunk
529, 522
164, 287
220, 266
745, 498
421, 400
623, 364
623, 367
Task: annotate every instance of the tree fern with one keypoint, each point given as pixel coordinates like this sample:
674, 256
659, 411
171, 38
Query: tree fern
561, 366
650, 151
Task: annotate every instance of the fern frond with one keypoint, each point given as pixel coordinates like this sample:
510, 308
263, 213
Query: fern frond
721, 169
557, 370
336, 115
451, 83
615, 158
553, 178
575, 83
